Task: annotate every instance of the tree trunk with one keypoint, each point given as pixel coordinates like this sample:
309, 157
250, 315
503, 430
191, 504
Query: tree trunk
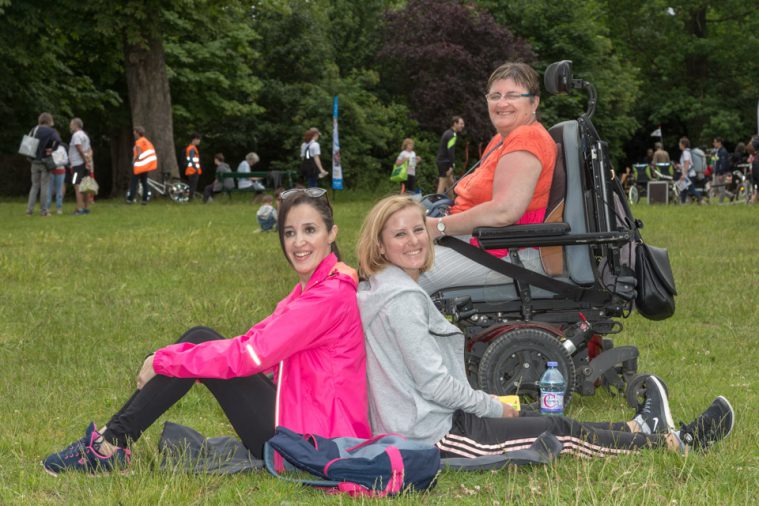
121, 159
150, 98
697, 68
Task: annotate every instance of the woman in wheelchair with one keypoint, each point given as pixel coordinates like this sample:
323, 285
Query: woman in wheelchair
415, 365
511, 185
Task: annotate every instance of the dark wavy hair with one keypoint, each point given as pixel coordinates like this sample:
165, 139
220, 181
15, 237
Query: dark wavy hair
320, 204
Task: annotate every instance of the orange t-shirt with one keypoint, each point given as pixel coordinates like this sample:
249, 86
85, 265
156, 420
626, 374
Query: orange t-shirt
477, 187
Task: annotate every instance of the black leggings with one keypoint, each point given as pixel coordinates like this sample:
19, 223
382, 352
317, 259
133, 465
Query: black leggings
248, 402
142, 179
193, 184
472, 436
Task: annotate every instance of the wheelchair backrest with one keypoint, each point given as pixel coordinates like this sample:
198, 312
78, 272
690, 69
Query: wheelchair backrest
579, 264
552, 257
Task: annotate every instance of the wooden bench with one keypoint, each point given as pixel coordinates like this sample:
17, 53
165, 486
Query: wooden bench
255, 176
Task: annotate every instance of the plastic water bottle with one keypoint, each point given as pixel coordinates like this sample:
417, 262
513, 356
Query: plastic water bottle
552, 386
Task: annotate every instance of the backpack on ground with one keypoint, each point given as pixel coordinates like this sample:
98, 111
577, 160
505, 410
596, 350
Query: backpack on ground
386, 464
698, 159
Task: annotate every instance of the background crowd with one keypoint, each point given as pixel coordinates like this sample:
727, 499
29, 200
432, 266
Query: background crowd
252, 76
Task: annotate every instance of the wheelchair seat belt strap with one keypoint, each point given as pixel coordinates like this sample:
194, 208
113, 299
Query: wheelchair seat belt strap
572, 292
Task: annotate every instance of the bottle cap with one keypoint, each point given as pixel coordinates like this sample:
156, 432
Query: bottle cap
553, 364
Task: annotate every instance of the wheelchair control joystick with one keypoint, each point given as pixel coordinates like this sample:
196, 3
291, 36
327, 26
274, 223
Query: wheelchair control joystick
456, 308
577, 334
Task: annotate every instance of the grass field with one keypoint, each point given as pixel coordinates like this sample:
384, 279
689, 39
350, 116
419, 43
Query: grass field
83, 299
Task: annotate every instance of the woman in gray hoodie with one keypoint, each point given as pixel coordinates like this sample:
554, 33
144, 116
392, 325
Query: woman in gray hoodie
415, 365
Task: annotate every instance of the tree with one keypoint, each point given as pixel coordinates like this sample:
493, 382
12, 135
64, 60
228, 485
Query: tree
311, 51
697, 65
577, 30
439, 55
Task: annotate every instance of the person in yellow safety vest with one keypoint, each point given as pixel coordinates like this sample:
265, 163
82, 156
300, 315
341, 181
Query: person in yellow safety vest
192, 163
144, 160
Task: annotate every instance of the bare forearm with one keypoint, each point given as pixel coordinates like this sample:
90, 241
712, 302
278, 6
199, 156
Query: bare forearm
487, 214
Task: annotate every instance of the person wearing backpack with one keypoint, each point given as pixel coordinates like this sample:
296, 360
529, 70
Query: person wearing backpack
687, 182
311, 165
417, 382
49, 140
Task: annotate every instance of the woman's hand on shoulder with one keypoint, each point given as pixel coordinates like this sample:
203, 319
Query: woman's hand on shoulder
147, 372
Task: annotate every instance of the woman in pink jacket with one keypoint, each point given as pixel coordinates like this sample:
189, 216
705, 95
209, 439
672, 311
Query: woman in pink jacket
313, 342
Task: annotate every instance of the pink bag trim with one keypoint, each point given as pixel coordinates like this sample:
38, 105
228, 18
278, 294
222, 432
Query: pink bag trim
373, 440
394, 486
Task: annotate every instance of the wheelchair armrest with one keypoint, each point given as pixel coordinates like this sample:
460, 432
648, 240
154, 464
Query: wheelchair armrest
544, 234
532, 231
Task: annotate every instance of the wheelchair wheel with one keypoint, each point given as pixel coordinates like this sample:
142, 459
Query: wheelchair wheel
633, 195
513, 363
635, 393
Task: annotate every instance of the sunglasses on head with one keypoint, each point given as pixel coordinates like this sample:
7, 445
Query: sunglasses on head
311, 192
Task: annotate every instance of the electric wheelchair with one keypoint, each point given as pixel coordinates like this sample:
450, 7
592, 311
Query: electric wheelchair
568, 314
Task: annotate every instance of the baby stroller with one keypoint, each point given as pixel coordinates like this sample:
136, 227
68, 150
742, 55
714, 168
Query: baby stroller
567, 315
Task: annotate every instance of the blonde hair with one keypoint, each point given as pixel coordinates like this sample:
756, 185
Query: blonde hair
406, 142
370, 259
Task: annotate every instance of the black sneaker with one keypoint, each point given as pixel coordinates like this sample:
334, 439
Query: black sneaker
714, 424
654, 417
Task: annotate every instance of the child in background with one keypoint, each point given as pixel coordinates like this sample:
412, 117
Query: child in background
408, 154
267, 214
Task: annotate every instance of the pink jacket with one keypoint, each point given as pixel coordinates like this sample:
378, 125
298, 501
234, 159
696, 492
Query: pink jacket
314, 342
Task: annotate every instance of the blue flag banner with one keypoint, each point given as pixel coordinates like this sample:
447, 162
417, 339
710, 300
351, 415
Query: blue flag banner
337, 168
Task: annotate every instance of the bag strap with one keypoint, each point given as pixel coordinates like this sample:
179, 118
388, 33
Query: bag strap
374, 440
474, 167
556, 286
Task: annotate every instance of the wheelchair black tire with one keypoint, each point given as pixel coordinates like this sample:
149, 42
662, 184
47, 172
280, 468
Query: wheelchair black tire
524, 352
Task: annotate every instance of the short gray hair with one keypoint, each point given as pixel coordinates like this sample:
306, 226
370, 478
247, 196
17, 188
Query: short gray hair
252, 158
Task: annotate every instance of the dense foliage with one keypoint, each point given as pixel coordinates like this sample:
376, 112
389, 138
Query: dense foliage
254, 75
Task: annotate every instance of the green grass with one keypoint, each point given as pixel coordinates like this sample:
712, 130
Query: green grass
83, 299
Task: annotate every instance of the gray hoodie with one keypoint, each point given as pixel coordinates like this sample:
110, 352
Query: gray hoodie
414, 361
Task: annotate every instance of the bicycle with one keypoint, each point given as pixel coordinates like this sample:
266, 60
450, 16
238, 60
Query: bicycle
744, 188
177, 191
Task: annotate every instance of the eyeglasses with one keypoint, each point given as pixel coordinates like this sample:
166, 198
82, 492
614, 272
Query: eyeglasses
311, 192
508, 97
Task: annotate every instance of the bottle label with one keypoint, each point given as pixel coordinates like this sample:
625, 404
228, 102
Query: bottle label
552, 402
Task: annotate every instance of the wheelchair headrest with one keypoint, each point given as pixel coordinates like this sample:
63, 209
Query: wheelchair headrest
558, 77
